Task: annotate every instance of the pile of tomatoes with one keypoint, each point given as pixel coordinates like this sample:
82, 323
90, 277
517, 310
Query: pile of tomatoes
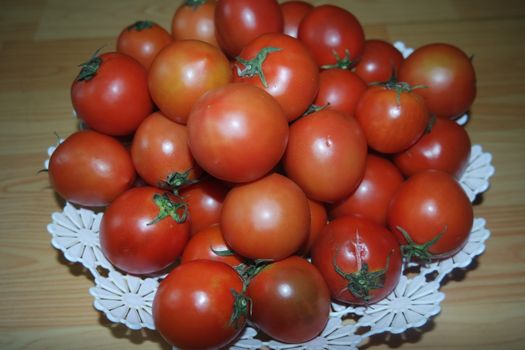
270, 160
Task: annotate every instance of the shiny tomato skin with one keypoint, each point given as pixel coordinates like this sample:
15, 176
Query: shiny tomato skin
372, 197
227, 119
194, 303
90, 169
182, 72
428, 203
349, 243
290, 300
318, 220
293, 13
380, 60
133, 242
196, 22
116, 99
266, 219
326, 155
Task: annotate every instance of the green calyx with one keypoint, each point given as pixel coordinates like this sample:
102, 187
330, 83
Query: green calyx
420, 251
140, 25
242, 307
314, 108
342, 63
177, 180
90, 68
253, 67
194, 4
178, 211
399, 87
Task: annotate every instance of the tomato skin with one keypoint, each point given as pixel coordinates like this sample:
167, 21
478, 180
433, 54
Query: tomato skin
182, 72
372, 197
428, 203
226, 119
290, 300
349, 243
132, 241
266, 219
194, 303
448, 74
195, 22
326, 155
90, 169
318, 220
379, 61
446, 147
116, 99
293, 14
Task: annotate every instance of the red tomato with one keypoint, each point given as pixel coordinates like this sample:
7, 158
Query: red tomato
284, 67
238, 132
359, 260
144, 231
333, 34
290, 300
194, 305
326, 155
445, 147
195, 20
448, 74
182, 72
237, 22
373, 195
379, 62
393, 117
293, 14
434, 211
90, 169
318, 220
266, 219
143, 40
110, 94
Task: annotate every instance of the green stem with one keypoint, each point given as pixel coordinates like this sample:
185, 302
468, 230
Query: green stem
177, 180
194, 4
253, 67
343, 63
140, 25
420, 251
167, 207
90, 68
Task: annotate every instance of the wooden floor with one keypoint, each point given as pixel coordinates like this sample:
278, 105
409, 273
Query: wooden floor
44, 301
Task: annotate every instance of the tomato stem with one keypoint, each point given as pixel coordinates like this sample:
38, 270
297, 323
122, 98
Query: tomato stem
253, 67
177, 180
420, 251
169, 208
315, 108
342, 63
194, 4
242, 307
140, 25
90, 68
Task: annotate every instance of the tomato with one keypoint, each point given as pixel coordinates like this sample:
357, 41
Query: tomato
143, 40
372, 197
359, 260
283, 67
326, 155
340, 89
445, 147
293, 13
334, 35
110, 94
182, 72
290, 300
160, 149
195, 19
90, 169
393, 117
226, 120
266, 219
194, 305
434, 212
318, 219
237, 22
379, 62
144, 231
448, 74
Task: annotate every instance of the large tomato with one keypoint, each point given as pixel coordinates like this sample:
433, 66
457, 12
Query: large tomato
110, 94
90, 169
238, 132
195, 19
182, 72
359, 260
379, 62
290, 300
293, 13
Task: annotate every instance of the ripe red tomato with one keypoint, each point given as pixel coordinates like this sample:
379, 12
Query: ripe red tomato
144, 231
372, 197
195, 20
293, 13
238, 132
182, 72
290, 300
379, 62
359, 260
143, 40
333, 34
284, 67
318, 220
194, 305
393, 117
434, 211
445, 147
90, 169
110, 94
237, 22
448, 74
266, 219
326, 155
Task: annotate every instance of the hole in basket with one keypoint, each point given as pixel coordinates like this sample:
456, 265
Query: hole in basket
350, 319
430, 277
362, 330
412, 335
102, 271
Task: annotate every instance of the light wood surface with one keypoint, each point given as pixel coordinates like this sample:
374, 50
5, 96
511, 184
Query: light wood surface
44, 300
